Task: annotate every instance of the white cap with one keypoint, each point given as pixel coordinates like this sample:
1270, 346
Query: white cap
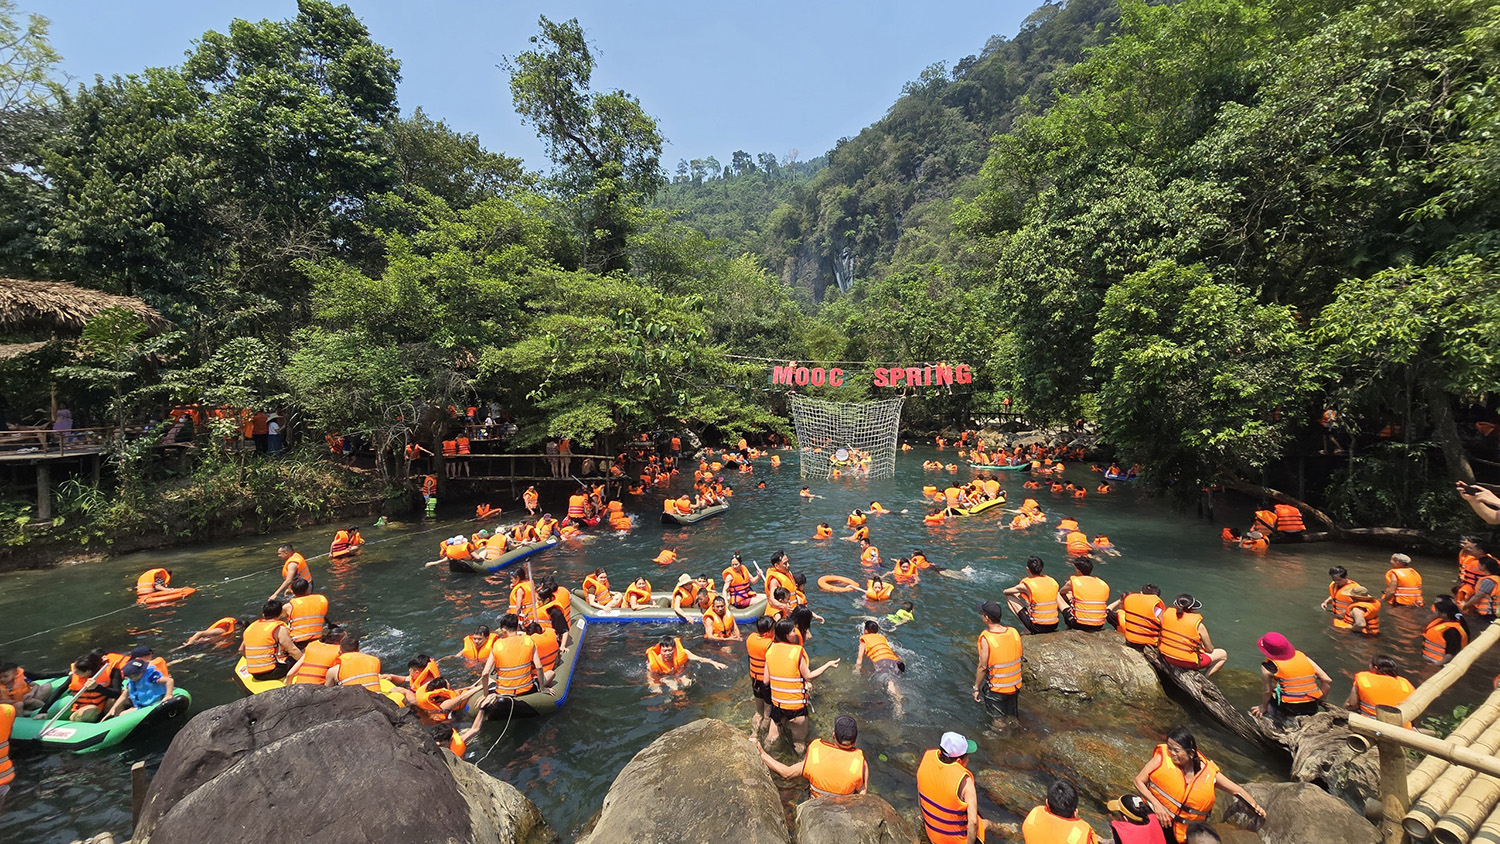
954, 744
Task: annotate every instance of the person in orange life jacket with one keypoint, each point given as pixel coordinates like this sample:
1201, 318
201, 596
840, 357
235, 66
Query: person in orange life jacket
317, 658
997, 676
719, 625
1403, 584
1089, 611
160, 583
1034, 599
1291, 683
25, 696
1485, 601
756, 645
1057, 821
446, 736
1363, 614
686, 593
1185, 642
145, 685
1142, 630
1447, 633
518, 666
219, 633
1135, 823
1380, 686
638, 594
273, 646
946, 794
345, 543
667, 662
341, 675
306, 613
1179, 784
293, 566
839, 768
1337, 601
95, 682
886, 663
790, 679
1255, 540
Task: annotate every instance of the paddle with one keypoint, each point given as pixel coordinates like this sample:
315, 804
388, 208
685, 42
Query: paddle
66, 706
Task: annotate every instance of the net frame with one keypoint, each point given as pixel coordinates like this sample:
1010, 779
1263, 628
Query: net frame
870, 427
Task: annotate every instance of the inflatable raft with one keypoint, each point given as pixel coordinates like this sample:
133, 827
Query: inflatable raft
510, 557
1113, 477
661, 611
550, 700
1019, 467
255, 687
83, 737
977, 508
678, 519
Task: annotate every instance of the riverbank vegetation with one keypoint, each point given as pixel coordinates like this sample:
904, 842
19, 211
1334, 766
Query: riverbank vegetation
1199, 226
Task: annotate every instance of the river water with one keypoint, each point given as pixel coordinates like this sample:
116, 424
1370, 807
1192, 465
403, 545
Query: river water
566, 762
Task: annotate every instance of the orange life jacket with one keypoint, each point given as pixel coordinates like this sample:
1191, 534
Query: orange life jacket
577, 506
658, 665
431, 702
1179, 636
514, 672
640, 593
456, 745
1004, 660
460, 550
1043, 827
1434, 644
1090, 598
146, 583
523, 602
831, 769
1408, 583
1139, 618
783, 667
479, 653
1289, 519
1371, 609
19, 687
7, 718
317, 658
308, 613
945, 815
450, 448
878, 592
877, 648
721, 625
1296, 681
1380, 690
1341, 599
262, 650
1487, 603
756, 645
429, 485
1266, 519
1187, 798
359, 669
1041, 599
546, 647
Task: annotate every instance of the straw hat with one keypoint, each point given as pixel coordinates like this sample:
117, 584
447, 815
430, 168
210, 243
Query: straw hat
1359, 592
686, 578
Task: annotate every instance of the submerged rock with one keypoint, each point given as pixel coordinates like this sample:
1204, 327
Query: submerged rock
1090, 665
338, 763
701, 783
1298, 813
851, 819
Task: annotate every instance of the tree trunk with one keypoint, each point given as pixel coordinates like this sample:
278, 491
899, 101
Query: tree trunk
1206, 694
1440, 407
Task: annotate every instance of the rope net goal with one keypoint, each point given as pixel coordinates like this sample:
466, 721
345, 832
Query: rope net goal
848, 437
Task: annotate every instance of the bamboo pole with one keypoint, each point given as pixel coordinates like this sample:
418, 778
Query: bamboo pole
1449, 674
1489, 831
1471, 809
1395, 799
1441, 794
1472, 727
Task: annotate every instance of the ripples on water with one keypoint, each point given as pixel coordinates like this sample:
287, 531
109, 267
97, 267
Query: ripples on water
566, 762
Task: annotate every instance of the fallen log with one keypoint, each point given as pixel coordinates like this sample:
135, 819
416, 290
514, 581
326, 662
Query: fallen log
1207, 695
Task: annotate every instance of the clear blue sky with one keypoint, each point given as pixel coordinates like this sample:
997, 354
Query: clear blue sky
762, 77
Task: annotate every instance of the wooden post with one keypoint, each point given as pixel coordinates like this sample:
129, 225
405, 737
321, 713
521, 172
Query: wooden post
43, 491
1394, 799
139, 783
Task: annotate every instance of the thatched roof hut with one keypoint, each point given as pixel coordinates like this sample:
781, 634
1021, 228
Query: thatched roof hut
61, 307
15, 350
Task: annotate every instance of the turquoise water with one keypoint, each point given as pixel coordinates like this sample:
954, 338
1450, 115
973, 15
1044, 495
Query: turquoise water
566, 762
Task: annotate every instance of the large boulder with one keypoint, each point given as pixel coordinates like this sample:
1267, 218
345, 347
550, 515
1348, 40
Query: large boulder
338, 764
701, 783
1089, 666
1299, 813
851, 819
1321, 755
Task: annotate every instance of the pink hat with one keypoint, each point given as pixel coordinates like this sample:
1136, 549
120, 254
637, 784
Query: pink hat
1275, 646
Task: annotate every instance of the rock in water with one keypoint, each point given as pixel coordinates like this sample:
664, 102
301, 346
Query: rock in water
336, 764
1089, 665
702, 783
851, 819
1298, 813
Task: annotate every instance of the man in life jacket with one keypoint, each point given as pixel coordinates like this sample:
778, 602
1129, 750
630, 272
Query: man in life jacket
686, 593
1085, 598
145, 685
1337, 601
1291, 683
1057, 821
667, 664
837, 768
883, 659
355, 668
218, 633
997, 677
346, 543
513, 660
946, 794
293, 566
306, 613
1380, 686
1137, 615
1034, 599
267, 644
719, 624
1131, 821
1363, 614
1403, 584
317, 658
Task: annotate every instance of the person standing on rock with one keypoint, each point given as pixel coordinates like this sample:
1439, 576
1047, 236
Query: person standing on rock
756, 646
787, 674
1179, 782
837, 768
997, 678
1034, 599
945, 791
1057, 821
1291, 683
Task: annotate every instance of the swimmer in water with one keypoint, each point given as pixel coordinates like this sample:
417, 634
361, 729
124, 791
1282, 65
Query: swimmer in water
903, 615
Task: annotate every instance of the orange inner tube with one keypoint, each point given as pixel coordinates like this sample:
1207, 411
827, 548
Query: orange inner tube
836, 583
166, 596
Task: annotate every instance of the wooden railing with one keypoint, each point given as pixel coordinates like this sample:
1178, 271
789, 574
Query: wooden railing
44, 441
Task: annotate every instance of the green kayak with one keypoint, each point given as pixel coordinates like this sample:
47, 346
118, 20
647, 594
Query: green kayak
83, 737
